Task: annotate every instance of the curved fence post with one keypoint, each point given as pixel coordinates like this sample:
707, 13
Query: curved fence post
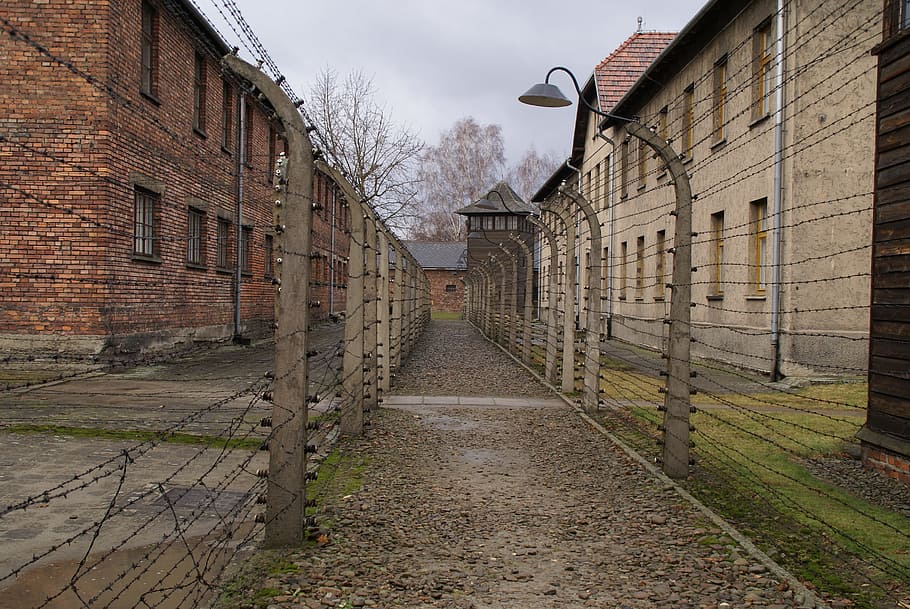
286, 499
528, 304
568, 321
592, 310
552, 335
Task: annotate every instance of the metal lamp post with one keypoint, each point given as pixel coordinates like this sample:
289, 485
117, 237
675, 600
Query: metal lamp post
677, 403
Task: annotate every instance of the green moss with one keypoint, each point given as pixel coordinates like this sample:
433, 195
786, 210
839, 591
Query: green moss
135, 435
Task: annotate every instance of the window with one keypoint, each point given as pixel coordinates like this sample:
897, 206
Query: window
223, 243
660, 272
273, 141
642, 163
624, 169
247, 152
720, 99
717, 254
199, 92
639, 268
246, 238
145, 205
595, 186
149, 51
227, 114
688, 121
604, 276
450, 288
762, 75
194, 236
759, 220
623, 259
269, 257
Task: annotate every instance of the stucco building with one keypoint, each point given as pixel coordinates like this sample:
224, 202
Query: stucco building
771, 112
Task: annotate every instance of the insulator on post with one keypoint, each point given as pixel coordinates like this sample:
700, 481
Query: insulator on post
268, 396
310, 449
276, 281
279, 228
265, 422
312, 425
260, 518
661, 390
313, 399
260, 499
693, 409
264, 446
262, 473
693, 374
310, 503
311, 476
693, 391
312, 353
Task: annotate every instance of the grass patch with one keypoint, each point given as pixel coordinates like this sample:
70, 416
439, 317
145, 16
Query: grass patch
445, 315
751, 469
137, 436
340, 474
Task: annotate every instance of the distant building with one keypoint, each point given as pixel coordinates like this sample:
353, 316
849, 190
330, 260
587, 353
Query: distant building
491, 220
886, 435
445, 265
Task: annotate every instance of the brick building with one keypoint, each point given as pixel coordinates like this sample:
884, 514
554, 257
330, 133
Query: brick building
445, 265
136, 182
331, 245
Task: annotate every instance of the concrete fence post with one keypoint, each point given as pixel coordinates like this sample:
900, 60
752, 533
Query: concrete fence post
528, 304
568, 322
552, 335
593, 307
286, 499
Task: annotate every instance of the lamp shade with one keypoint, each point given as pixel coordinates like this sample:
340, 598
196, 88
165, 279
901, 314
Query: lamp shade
546, 95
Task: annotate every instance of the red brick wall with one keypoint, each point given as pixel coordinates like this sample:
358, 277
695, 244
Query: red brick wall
330, 206
66, 232
891, 464
440, 299
49, 271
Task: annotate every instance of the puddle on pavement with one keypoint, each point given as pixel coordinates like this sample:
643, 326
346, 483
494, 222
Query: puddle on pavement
147, 576
448, 423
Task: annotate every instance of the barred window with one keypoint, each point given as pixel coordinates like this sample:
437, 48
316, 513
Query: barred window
194, 237
246, 239
199, 89
149, 50
144, 226
222, 243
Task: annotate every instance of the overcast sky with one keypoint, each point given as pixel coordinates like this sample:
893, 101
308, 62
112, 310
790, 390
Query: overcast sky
436, 61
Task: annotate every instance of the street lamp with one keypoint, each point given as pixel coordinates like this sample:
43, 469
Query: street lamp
677, 403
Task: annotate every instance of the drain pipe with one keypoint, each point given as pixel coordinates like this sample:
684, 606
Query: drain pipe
609, 270
332, 255
779, 101
241, 162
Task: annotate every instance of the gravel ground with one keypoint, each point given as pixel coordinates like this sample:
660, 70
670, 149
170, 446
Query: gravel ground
488, 506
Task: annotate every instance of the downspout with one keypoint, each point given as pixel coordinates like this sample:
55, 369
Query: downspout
332, 256
577, 251
241, 162
609, 275
778, 196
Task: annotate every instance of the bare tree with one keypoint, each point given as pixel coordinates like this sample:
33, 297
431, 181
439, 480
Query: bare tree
468, 159
529, 174
377, 155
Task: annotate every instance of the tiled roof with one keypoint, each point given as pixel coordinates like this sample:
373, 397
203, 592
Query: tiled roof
511, 202
439, 255
622, 68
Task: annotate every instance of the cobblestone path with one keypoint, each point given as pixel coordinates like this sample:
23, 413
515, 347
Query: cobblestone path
508, 503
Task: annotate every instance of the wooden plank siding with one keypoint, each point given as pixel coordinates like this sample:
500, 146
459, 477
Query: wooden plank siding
889, 349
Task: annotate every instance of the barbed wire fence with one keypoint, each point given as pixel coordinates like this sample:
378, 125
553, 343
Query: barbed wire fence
164, 502
779, 457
